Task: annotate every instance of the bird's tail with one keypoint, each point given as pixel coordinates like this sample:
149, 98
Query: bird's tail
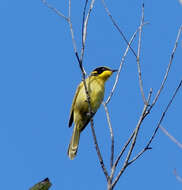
73, 146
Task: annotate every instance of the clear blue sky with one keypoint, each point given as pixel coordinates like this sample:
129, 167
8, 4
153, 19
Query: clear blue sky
38, 77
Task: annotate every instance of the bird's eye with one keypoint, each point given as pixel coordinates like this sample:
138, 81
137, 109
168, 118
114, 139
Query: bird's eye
101, 70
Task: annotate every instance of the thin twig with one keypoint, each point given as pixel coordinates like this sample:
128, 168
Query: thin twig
83, 21
111, 133
84, 29
138, 56
139, 154
170, 136
142, 117
168, 68
117, 27
55, 10
73, 38
179, 178
121, 65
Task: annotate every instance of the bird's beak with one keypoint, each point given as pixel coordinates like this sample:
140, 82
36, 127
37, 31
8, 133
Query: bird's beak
114, 70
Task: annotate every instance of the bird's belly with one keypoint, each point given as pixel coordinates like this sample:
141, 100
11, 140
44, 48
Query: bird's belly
96, 97
96, 93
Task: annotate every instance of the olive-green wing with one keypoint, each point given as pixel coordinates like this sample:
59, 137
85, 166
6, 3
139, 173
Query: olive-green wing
72, 106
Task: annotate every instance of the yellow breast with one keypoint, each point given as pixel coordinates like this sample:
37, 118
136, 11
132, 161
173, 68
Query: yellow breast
96, 91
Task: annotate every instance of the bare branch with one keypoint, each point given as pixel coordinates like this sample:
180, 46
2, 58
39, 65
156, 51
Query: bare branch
147, 147
170, 136
168, 68
164, 113
139, 154
143, 115
55, 10
73, 38
84, 27
179, 178
117, 27
121, 65
111, 133
83, 21
138, 56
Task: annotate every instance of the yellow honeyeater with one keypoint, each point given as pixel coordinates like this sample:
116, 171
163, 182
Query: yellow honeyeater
79, 113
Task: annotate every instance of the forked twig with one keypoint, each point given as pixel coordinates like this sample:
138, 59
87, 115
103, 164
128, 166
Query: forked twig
121, 65
147, 147
142, 117
107, 101
158, 125
164, 113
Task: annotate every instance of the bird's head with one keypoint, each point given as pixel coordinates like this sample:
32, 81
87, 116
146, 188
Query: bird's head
102, 73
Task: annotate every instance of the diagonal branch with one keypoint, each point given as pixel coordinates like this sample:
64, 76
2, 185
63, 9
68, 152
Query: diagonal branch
117, 27
55, 10
179, 178
170, 136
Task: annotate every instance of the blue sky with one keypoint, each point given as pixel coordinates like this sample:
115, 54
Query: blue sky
39, 75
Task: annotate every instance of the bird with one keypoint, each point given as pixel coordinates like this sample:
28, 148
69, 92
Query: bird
80, 113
